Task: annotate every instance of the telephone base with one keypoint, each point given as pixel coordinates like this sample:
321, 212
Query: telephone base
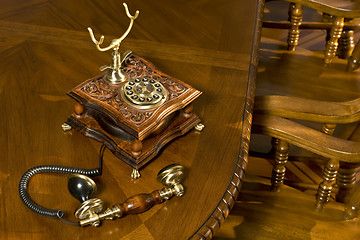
121, 148
137, 117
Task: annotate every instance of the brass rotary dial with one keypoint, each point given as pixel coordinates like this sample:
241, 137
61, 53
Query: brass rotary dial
144, 93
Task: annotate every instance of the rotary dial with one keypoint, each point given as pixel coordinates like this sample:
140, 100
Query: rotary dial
144, 93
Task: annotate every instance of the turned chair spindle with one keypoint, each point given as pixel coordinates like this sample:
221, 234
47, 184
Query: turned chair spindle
273, 116
338, 18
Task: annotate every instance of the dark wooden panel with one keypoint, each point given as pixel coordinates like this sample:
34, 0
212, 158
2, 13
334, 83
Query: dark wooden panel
45, 51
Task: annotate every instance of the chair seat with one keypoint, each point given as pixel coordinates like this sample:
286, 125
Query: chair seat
341, 8
350, 25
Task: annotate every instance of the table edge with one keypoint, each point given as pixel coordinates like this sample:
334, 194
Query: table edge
218, 216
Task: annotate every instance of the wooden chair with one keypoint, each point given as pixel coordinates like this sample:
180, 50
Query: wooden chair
338, 20
272, 116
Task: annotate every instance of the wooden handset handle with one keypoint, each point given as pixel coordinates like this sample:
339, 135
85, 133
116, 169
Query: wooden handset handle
136, 204
139, 203
171, 176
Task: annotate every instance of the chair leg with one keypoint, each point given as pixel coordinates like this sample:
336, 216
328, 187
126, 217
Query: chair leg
295, 16
346, 44
353, 206
328, 128
332, 44
274, 144
345, 180
353, 61
281, 157
326, 186
327, 18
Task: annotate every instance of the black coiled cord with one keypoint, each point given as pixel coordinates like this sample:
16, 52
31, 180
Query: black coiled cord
24, 182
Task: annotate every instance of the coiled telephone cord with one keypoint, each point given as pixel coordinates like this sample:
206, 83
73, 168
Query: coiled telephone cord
53, 213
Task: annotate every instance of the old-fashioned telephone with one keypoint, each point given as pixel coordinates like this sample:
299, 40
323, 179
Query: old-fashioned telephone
134, 110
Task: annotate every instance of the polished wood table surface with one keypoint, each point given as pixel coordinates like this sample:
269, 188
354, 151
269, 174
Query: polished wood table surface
45, 51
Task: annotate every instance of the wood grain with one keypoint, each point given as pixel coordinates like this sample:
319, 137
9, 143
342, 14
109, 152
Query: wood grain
298, 218
45, 51
309, 109
289, 214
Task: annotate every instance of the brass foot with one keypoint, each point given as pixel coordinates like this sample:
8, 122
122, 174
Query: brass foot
66, 127
135, 174
199, 127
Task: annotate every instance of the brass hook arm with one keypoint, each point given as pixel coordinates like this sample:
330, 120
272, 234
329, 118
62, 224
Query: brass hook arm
115, 43
132, 18
97, 43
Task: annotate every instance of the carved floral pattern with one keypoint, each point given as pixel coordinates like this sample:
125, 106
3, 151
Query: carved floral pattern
99, 89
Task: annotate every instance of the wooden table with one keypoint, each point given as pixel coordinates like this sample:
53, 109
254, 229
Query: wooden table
45, 51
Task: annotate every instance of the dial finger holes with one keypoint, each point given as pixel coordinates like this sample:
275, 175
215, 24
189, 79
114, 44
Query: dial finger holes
144, 93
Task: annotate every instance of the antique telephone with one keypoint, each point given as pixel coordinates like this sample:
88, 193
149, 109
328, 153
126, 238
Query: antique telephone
134, 109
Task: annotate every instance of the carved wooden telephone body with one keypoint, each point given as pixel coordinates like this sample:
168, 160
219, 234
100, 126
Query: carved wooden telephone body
134, 108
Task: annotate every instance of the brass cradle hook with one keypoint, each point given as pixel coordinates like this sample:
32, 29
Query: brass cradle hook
114, 74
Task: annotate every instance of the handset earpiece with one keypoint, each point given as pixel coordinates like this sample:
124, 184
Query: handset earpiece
82, 188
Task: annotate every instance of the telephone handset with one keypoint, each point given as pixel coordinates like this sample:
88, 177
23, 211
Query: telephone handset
90, 211
133, 108
82, 187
